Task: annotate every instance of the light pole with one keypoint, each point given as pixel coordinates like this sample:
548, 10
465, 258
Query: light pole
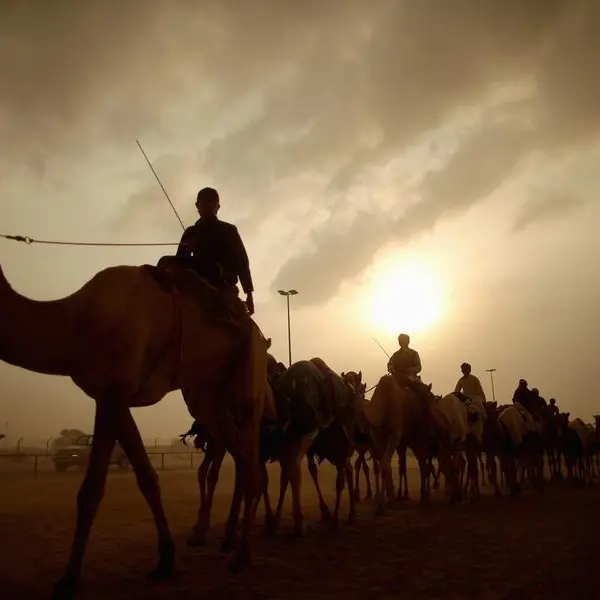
287, 294
491, 372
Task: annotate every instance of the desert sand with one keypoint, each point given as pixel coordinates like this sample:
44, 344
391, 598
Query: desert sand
504, 548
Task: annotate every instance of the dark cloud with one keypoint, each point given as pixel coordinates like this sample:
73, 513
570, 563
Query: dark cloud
332, 89
466, 179
545, 208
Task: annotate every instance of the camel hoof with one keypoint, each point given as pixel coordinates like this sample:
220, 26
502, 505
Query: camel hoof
164, 571
326, 515
64, 589
228, 545
240, 562
197, 540
270, 526
299, 530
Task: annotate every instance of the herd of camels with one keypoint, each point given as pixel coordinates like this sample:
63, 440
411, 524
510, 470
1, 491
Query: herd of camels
132, 334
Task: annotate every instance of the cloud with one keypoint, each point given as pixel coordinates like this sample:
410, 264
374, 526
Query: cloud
313, 102
547, 208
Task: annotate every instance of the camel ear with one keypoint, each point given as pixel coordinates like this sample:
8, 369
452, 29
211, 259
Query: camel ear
268, 343
342, 374
360, 375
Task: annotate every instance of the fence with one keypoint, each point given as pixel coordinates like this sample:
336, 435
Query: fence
36, 463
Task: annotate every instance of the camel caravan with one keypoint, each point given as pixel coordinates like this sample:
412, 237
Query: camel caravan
132, 334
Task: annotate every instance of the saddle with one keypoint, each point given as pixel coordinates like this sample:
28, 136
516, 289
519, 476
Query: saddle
472, 415
222, 304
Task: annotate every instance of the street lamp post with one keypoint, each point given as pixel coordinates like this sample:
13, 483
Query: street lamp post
491, 372
287, 294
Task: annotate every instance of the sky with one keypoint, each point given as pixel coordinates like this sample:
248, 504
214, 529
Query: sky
393, 161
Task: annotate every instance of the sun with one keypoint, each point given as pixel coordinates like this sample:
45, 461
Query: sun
405, 297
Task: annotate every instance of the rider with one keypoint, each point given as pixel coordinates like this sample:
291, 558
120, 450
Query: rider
538, 402
522, 395
552, 408
405, 366
215, 248
471, 387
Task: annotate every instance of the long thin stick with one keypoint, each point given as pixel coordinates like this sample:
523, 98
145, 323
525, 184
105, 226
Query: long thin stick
382, 348
162, 187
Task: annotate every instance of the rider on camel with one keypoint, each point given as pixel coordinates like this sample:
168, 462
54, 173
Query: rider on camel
470, 386
523, 396
215, 249
552, 408
405, 366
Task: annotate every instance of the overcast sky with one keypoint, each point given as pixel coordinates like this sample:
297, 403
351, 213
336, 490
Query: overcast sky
342, 135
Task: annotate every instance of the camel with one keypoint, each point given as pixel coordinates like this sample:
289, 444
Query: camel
336, 445
520, 443
210, 468
397, 416
314, 400
126, 338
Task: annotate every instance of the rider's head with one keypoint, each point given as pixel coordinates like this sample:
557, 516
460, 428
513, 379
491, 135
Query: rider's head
465, 368
522, 383
207, 203
535, 392
403, 340
552, 401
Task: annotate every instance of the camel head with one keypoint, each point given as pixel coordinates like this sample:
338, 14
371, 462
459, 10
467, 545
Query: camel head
354, 380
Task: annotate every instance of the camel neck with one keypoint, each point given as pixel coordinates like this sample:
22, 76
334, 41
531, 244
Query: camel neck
37, 336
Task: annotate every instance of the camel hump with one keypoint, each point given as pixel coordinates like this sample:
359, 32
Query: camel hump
223, 305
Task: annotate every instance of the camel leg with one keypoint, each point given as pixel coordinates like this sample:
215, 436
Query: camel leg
284, 479
312, 469
229, 542
367, 474
89, 497
269, 517
424, 472
131, 441
358, 463
481, 468
376, 474
352, 509
296, 483
340, 481
387, 484
207, 481
492, 469
253, 487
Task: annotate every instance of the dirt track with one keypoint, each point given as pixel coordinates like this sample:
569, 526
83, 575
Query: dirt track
499, 549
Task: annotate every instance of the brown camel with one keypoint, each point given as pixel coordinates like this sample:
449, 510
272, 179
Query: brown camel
127, 338
396, 415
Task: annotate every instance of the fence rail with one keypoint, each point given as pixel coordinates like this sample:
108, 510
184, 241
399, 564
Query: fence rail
35, 463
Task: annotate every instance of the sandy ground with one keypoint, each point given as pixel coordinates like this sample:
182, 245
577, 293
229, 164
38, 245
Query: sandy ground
498, 549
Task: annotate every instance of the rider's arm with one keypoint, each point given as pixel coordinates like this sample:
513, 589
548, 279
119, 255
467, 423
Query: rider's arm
481, 392
459, 385
184, 250
242, 262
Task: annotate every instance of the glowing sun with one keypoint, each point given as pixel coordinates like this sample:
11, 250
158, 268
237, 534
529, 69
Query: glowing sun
405, 298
